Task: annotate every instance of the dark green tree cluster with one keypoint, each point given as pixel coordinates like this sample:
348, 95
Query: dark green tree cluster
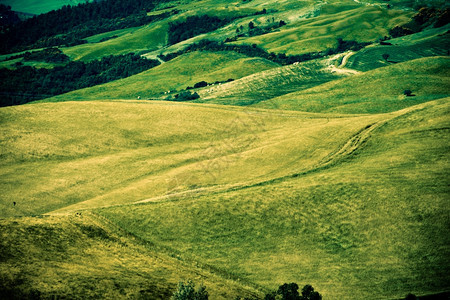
185, 96
194, 25
255, 51
7, 17
187, 291
427, 16
70, 24
49, 55
289, 291
26, 84
260, 30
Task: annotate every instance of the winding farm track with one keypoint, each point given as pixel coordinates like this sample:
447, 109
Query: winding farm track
341, 68
342, 152
351, 145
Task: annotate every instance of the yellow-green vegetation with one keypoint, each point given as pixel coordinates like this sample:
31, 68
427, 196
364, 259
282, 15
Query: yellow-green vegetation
82, 256
170, 147
380, 90
145, 38
271, 83
331, 172
177, 74
265, 196
311, 34
373, 226
430, 42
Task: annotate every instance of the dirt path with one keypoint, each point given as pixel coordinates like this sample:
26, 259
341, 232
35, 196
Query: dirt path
341, 68
350, 146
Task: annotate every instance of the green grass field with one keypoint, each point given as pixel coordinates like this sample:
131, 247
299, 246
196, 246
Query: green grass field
312, 212
321, 172
380, 90
372, 226
177, 74
38, 7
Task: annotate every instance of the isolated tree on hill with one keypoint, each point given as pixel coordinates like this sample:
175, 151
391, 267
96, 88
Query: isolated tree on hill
385, 56
407, 93
251, 25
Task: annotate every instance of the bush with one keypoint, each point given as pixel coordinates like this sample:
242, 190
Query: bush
407, 93
200, 84
187, 292
186, 95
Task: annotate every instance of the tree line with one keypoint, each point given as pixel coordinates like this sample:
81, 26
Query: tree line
27, 84
194, 25
427, 16
255, 51
71, 24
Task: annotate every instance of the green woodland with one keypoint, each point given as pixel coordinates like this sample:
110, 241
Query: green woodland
215, 149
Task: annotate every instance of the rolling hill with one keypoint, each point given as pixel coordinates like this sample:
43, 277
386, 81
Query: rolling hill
317, 152
39, 7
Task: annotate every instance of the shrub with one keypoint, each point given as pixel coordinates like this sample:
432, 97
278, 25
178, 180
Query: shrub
187, 292
410, 297
200, 84
289, 291
407, 93
186, 95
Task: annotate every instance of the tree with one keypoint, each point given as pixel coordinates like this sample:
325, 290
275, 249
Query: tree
251, 25
385, 56
308, 293
407, 93
187, 292
410, 297
288, 291
200, 84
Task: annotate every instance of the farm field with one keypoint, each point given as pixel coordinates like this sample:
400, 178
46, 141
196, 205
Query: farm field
271, 142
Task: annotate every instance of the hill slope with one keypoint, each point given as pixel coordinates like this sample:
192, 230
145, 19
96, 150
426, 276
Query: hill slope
380, 90
325, 207
373, 226
177, 74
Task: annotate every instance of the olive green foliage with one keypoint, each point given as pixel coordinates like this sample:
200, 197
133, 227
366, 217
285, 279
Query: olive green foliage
289, 291
187, 291
26, 83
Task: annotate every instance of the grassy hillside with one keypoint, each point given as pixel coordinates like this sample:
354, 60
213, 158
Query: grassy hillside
145, 38
321, 172
38, 7
373, 226
325, 207
380, 90
82, 256
430, 42
270, 83
170, 148
176, 74
317, 33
